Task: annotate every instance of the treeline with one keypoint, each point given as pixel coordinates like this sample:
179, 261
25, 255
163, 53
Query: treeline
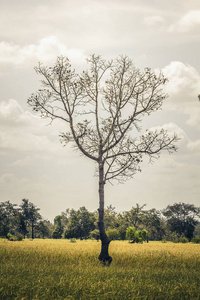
175, 222
23, 221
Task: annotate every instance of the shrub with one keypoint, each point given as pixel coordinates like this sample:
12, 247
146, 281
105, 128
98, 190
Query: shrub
122, 232
138, 240
17, 237
171, 236
94, 234
10, 237
72, 240
136, 236
196, 240
176, 241
113, 234
130, 233
57, 233
181, 240
143, 234
164, 241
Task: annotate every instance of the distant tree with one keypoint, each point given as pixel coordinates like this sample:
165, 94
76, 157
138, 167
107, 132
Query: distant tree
50, 227
94, 234
65, 217
123, 223
143, 234
59, 228
132, 218
110, 217
8, 218
152, 221
81, 223
113, 234
60, 224
197, 230
135, 215
136, 236
182, 218
30, 216
103, 107
42, 229
34, 217
73, 228
130, 233
22, 227
24, 209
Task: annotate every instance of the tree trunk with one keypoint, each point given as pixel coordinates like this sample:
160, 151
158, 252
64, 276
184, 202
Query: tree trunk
32, 225
105, 241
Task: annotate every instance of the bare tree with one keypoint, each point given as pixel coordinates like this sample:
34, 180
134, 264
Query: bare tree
103, 107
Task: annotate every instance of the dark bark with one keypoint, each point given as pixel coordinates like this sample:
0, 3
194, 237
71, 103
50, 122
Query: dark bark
104, 256
32, 225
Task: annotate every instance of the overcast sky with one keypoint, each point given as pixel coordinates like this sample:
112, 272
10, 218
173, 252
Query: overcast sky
158, 34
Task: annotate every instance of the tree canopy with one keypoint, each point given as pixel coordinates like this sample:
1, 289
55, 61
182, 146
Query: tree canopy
182, 218
102, 106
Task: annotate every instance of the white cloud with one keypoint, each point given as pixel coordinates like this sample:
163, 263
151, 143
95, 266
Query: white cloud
171, 128
45, 51
154, 20
183, 80
25, 161
10, 111
194, 147
187, 23
183, 89
22, 131
188, 150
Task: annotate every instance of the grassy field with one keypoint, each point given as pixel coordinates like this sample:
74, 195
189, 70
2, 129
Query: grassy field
58, 269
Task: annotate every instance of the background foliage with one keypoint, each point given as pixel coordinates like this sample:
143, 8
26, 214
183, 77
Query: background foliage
176, 221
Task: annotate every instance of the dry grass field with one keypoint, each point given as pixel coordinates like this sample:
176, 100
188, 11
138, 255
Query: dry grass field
59, 269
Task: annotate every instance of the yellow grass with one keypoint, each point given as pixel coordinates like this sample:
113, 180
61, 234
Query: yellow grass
58, 269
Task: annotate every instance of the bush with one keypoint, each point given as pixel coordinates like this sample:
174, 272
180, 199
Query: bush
130, 233
196, 240
17, 237
10, 237
72, 240
181, 240
176, 241
143, 234
56, 234
94, 234
136, 236
122, 232
171, 237
138, 240
113, 234
164, 241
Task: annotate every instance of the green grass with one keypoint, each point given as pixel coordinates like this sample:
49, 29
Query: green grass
58, 269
